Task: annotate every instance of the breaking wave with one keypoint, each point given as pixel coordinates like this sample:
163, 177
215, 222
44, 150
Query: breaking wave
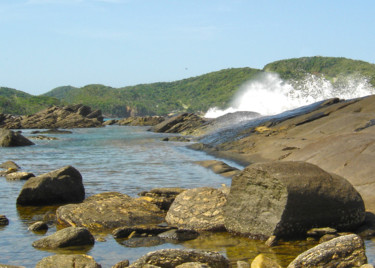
268, 94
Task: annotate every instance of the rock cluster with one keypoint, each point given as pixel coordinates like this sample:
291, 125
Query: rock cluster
72, 116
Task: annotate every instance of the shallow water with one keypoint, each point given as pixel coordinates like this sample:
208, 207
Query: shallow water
128, 160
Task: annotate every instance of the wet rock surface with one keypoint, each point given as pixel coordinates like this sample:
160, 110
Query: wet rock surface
109, 211
287, 198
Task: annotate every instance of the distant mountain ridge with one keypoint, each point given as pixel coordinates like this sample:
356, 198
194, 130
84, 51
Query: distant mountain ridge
195, 94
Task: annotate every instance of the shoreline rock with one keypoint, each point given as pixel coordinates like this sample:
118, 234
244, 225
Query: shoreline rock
286, 199
72, 116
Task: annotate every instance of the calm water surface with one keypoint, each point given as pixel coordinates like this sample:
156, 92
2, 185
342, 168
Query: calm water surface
128, 160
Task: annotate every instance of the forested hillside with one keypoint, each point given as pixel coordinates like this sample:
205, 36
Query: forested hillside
330, 67
16, 102
195, 94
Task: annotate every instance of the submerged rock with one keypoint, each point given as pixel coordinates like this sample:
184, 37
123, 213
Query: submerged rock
199, 209
262, 261
18, 176
9, 138
3, 220
56, 187
288, 198
68, 237
169, 258
108, 211
68, 261
344, 251
38, 226
126, 231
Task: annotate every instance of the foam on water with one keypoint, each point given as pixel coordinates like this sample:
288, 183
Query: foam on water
268, 94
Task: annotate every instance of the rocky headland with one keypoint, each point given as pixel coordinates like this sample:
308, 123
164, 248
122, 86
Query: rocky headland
72, 116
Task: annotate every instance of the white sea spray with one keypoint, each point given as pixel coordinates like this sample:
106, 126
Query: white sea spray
268, 94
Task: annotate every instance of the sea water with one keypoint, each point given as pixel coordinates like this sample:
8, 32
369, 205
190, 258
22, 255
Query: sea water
127, 160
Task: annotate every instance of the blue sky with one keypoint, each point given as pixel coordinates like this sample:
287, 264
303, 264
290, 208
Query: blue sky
49, 43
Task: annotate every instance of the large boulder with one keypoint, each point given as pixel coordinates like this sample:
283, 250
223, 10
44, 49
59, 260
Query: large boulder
108, 211
344, 251
169, 258
9, 138
199, 209
68, 261
68, 237
56, 187
288, 198
183, 123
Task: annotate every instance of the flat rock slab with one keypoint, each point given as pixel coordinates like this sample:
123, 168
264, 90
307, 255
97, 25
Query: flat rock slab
199, 209
170, 258
344, 251
109, 211
286, 199
56, 187
18, 176
68, 237
68, 261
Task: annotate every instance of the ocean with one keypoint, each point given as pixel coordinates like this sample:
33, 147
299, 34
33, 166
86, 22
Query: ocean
127, 160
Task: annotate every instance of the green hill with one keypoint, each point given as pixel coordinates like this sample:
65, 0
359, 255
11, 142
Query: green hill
329, 67
16, 102
193, 94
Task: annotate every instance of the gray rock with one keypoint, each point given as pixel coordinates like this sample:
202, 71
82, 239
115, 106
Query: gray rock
9, 138
68, 261
199, 209
18, 176
38, 226
68, 237
344, 251
288, 198
3, 220
169, 258
109, 211
57, 187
